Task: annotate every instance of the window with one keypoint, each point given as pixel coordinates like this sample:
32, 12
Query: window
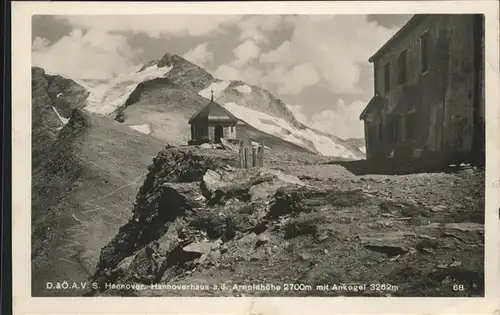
387, 77
402, 64
424, 52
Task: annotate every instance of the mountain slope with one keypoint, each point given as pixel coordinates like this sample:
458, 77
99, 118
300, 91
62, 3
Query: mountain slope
165, 108
160, 97
93, 142
358, 142
198, 222
84, 179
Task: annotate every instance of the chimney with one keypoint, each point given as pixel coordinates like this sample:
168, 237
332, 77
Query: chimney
212, 95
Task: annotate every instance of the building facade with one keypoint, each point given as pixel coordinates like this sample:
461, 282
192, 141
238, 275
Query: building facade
429, 91
211, 123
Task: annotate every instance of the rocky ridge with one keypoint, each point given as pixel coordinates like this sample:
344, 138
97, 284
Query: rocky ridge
200, 220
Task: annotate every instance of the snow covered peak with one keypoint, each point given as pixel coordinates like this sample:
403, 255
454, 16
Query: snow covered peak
216, 87
107, 97
278, 127
170, 60
251, 104
244, 89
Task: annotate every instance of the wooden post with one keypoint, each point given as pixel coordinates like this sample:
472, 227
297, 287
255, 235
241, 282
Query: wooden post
241, 155
255, 161
247, 157
261, 154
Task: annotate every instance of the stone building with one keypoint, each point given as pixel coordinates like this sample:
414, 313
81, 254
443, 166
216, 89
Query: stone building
211, 123
429, 91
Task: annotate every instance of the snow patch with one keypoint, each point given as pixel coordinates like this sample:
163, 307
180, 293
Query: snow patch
217, 87
282, 129
244, 89
145, 128
59, 94
106, 98
61, 118
326, 146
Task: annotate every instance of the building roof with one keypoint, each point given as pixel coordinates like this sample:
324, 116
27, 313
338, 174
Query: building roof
213, 109
376, 101
400, 34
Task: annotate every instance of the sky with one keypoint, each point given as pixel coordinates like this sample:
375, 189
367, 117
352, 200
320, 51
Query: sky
316, 64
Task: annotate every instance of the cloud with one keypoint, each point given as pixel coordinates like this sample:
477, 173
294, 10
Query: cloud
227, 72
329, 49
343, 121
155, 25
240, 68
298, 78
40, 43
258, 27
298, 113
275, 56
93, 55
336, 47
199, 55
245, 53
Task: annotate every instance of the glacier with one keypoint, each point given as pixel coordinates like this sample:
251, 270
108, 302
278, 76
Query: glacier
217, 87
282, 129
144, 128
105, 98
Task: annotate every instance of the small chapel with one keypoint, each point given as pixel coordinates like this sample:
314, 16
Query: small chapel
211, 123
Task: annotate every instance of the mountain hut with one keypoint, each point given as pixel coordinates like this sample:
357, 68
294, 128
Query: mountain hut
211, 123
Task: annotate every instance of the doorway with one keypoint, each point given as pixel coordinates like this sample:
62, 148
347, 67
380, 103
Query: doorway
218, 133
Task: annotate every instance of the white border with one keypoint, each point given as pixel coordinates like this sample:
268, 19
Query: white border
21, 157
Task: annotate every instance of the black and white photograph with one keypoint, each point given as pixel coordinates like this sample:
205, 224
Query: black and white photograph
258, 155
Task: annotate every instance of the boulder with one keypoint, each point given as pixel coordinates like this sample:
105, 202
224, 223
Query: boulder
218, 183
464, 227
237, 186
203, 247
295, 199
212, 180
262, 239
306, 256
206, 146
185, 195
439, 208
473, 231
322, 236
287, 178
277, 179
215, 255
145, 266
168, 241
390, 243
250, 184
404, 209
123, 267
246, 239
265, 190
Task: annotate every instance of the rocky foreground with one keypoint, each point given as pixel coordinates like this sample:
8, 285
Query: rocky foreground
300, 226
